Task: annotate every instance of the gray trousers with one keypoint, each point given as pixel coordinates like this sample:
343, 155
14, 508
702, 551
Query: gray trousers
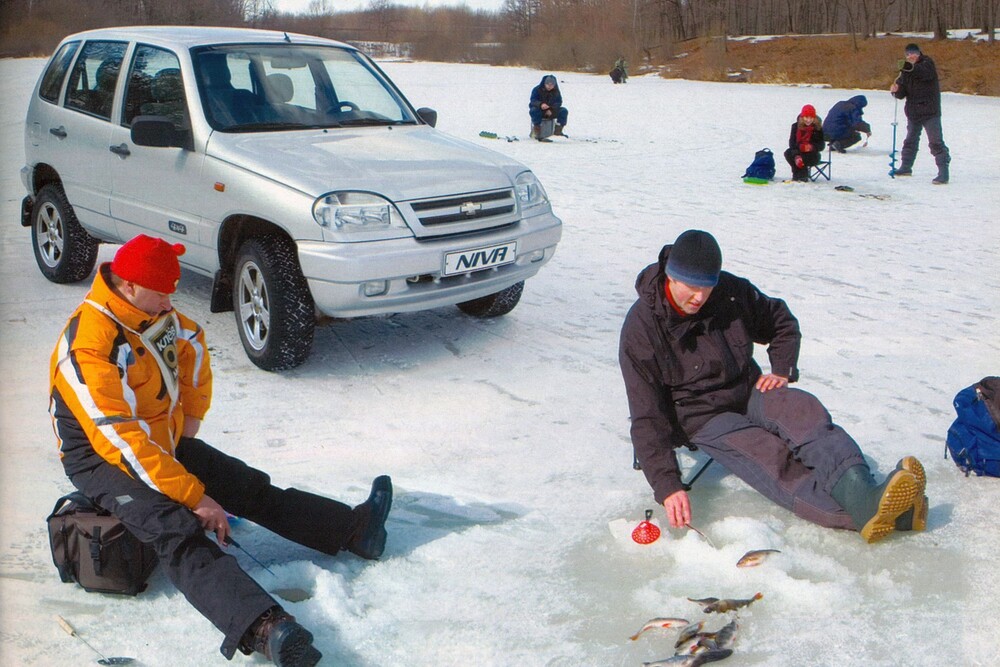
935, 140
211, 579
787, 448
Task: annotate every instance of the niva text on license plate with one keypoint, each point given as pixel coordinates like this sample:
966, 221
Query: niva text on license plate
479, 258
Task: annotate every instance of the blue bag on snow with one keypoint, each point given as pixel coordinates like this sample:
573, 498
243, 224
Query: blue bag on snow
974, 437
762, 166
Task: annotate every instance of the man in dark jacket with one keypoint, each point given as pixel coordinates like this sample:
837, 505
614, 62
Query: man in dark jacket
844, 124
545, 104
918, 84
686, 356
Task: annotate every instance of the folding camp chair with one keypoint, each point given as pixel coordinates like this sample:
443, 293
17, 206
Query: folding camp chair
823, 168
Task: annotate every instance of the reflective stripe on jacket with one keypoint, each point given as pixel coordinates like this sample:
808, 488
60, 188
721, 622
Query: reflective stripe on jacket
109, 398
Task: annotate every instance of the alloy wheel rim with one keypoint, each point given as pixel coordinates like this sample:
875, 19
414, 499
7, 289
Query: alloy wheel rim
254, 306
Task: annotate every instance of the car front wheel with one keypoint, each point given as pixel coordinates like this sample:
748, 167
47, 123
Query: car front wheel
274, 310
64, 251
496, 304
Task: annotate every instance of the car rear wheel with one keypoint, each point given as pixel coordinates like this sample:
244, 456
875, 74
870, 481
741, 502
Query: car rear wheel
496, 304
64, 251
274, 310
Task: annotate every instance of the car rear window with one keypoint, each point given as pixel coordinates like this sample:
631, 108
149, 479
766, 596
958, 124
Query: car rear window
56, 71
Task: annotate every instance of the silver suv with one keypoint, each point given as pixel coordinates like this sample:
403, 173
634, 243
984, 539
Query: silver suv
297, 175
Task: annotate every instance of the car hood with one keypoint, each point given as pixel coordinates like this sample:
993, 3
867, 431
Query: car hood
400, 163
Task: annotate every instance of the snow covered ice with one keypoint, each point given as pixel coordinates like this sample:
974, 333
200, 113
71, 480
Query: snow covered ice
507, 439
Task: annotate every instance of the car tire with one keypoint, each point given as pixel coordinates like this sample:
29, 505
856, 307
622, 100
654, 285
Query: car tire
496, 304
64, 251
275, 313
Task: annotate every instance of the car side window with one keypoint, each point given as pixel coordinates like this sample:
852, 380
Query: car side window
94, 77
52, 80
155, 87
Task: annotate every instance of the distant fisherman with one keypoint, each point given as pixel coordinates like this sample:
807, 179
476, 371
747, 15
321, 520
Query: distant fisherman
687, 358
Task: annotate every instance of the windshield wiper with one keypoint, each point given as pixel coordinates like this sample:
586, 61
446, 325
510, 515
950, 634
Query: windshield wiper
350, 122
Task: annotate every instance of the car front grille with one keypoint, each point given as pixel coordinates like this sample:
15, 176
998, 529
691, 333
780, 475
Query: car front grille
487, 209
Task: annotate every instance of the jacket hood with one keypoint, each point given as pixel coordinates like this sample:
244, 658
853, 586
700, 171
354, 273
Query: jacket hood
547, 78
859, 100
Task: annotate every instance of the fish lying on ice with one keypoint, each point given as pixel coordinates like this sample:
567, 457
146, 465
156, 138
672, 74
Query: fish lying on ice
688, 632
661, 623
721, 606
755, 557
691, 660
723, 638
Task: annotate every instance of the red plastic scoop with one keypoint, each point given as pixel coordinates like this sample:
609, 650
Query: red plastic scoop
646, 532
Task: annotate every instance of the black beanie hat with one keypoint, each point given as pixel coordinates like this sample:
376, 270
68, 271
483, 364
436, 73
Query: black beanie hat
912, 48
695, 259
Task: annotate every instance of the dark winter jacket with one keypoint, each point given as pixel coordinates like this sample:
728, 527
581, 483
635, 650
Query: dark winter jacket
845, 118
816, 137
539, 96
921, 89
680, 371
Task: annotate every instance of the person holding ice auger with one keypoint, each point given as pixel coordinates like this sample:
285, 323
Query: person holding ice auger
918, 84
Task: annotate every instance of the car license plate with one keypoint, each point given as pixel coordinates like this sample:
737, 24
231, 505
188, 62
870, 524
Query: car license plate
479, 258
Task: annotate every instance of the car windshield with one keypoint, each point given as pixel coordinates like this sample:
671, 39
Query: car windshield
257, 88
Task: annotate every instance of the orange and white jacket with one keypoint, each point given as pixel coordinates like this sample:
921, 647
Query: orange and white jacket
109, 398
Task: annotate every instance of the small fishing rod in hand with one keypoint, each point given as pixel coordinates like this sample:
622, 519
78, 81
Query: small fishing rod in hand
231, 542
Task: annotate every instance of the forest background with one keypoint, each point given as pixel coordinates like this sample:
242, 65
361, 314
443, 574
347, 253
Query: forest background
840, 43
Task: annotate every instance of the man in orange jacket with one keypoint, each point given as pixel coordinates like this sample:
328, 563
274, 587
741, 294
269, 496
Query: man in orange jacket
130, 384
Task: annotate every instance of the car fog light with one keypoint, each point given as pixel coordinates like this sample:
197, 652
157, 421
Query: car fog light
536, 256
376, 287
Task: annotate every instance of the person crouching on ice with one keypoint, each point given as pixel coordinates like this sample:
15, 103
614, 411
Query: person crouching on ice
130, 385
546, 103
686, 355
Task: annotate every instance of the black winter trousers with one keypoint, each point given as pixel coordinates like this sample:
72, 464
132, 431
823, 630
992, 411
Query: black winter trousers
810, 159
210, 579
787, 448
935, 141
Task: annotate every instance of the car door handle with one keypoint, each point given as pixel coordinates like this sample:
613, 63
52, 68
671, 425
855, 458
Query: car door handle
121, 150
58, 131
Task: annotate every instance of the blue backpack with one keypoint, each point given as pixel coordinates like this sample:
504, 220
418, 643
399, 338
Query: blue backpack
762, 167
974, 438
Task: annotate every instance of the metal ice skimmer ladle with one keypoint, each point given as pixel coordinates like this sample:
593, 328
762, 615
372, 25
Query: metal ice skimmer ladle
104, 660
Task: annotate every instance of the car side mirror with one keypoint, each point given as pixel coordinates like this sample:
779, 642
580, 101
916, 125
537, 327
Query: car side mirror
159, 132
427, 115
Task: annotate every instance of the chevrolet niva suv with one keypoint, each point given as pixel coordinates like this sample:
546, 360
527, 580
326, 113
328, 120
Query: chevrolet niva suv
297, 175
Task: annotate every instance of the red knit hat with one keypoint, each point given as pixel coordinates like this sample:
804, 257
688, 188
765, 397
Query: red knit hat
808, 111
149, 262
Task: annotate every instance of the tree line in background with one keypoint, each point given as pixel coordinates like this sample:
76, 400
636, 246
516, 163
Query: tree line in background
550, 34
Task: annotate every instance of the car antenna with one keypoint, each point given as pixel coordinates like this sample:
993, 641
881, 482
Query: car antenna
287, 38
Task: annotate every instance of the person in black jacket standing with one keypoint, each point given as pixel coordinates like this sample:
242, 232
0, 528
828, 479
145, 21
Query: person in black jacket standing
686, 356
918, 84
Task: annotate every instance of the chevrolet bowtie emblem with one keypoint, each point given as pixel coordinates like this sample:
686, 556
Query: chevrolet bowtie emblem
470, 208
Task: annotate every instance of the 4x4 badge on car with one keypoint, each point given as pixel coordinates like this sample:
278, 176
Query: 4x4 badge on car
177, 227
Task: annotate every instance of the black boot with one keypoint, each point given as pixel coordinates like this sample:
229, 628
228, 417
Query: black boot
283, 641
942, 176
369, 536
874, 509
915, 518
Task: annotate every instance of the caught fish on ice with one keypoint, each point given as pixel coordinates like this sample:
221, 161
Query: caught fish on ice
715, 605
691, 660
660, 623
724, 637
755, 557
688, 632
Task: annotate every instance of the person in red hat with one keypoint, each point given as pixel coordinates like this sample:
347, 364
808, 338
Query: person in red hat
805, 143
130, 382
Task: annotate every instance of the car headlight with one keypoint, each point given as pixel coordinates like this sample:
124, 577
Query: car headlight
529, 191
356, 212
